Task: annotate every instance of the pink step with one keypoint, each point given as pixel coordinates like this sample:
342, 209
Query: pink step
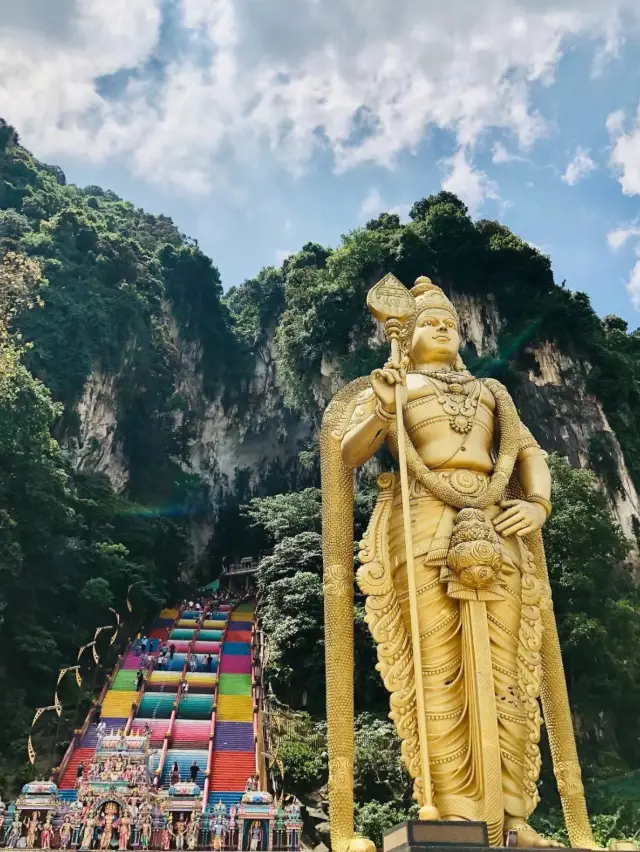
235, 664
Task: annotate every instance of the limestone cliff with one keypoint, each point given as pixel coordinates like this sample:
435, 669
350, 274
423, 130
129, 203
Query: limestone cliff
229, 442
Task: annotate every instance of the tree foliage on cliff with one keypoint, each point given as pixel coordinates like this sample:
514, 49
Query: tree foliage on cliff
320, 299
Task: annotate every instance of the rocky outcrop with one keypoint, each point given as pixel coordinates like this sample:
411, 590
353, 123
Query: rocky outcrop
246, 439
96, 447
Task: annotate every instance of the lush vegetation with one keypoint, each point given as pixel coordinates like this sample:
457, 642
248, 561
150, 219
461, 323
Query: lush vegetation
91, 286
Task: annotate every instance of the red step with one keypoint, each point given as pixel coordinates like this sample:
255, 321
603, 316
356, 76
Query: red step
158, 633
68, 781
238, 635
231, 770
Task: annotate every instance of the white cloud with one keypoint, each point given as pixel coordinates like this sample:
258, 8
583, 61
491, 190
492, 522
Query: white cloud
373, 205
281, 255
625, 153
471, 185
579, 167
633, 285
253, 83
499, 155
619, 237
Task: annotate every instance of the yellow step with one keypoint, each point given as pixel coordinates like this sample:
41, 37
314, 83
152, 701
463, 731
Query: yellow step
214, 625
169, 613
201, 678
165, 677
234, 708
117, 703
188, 622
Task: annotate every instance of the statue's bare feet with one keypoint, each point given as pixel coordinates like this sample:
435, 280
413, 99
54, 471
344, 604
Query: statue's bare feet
620, 845
359, 843
528, 837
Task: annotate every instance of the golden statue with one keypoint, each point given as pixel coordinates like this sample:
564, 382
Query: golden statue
462, 616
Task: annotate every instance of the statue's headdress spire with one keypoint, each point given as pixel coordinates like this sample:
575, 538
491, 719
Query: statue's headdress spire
428, 296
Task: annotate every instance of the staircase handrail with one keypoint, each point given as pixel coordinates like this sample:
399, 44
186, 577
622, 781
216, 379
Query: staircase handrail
78, 735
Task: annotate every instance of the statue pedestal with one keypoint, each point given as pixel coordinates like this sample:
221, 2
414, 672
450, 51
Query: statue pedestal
413, 835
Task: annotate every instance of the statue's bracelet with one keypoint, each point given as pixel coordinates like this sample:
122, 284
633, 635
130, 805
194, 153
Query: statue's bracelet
541, 501
383, 415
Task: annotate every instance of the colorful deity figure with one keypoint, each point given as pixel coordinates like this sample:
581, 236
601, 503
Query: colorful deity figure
167, 833
255, 836
46, 833
145, 830
192, 831
110, 813
180, 832
76, 822
218, 831
88, 830
15, 832
31, 825
66, 830
124, 831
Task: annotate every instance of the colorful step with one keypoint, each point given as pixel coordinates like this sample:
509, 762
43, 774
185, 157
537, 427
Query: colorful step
234, 739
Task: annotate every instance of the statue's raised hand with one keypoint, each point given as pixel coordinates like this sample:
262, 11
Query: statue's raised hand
384, 384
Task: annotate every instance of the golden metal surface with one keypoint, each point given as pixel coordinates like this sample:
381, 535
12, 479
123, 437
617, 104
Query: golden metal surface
457, 604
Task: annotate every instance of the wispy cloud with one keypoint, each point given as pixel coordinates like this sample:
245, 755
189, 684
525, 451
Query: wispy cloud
619, 236
281, 255
361, 82
373, 205
472, 185
625, 153
580, 166
633, 285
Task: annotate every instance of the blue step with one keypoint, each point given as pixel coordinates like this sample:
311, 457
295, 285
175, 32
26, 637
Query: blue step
227, 799
236, 649
68, 795
240, 625
184, 758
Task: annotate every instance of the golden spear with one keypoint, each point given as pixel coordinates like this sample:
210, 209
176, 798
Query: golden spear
392, 304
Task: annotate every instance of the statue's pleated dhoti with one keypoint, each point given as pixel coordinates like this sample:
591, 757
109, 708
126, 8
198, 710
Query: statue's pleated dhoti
467, 691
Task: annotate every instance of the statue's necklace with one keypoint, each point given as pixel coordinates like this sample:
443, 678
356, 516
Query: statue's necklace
459, 400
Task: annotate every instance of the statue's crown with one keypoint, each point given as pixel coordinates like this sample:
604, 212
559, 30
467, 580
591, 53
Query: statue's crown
428, 296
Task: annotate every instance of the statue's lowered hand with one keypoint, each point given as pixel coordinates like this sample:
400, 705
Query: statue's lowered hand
519, 517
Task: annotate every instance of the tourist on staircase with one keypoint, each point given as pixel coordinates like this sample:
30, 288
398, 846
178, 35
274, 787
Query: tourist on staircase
175, 773
194, 771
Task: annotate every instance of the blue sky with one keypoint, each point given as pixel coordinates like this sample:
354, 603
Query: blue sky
257, 133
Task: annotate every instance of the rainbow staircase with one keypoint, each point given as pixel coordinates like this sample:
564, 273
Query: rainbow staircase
212, 725
117, 703
234, 749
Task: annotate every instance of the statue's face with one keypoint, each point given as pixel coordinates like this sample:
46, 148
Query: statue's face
435, 338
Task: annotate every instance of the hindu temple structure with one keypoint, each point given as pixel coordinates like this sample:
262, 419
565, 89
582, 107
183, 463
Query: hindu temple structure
172, 759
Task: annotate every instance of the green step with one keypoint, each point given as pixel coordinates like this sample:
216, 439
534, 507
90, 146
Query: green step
125, 679
156, 705
182, 633
234, 684
209, 636
195, 707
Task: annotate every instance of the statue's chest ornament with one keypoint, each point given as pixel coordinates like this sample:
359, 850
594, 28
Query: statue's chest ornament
459, 398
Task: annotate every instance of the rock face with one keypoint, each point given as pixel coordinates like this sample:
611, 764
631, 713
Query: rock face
96, 447
229, 441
